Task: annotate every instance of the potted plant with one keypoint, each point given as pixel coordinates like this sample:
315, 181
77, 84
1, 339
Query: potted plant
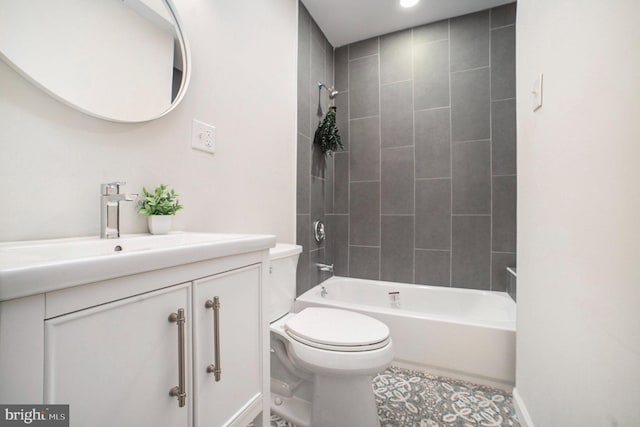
159, 208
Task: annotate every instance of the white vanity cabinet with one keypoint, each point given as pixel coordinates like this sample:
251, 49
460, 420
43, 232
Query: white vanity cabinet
113, 352
115, 364
220, 396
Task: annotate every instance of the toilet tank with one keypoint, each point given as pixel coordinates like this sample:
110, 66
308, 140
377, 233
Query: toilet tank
282, 279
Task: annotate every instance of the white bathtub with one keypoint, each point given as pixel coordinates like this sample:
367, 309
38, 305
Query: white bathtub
463, 333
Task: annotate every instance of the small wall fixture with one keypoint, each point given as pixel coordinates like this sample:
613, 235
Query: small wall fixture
409, 3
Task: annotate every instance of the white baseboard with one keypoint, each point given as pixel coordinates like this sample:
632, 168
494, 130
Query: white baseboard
521, 410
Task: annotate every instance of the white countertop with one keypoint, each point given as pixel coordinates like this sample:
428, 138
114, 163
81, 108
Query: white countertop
35, 267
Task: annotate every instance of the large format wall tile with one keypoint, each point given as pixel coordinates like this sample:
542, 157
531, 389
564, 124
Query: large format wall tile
303, 171
397, 248
364, 209
363, 87
433, 267
470, 41
364, 262
503, 144
503, 63
341, 184
504, 213
433, 143
471, 177
433, 214
395, 57
341, 70
363, 48
470, 105
431, 75
396, 114
503, 15
430, 33
364, 162
471, 252
397, 181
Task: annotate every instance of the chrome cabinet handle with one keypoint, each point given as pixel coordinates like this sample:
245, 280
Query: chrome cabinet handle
215, 368
179, 391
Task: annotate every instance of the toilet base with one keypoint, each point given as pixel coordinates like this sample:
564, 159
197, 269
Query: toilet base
344, 401
337, 402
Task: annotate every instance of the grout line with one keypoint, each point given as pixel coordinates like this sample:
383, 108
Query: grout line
473, 140
414, 44
380, 164
450, 161
365, 117
413, 117
470, 214
429, 179
472, 69
501, 252
392, 214
396, 82
431, 108
363, 57
490, 164
503, 99
398, 148
364, 246
365, 180
433, 250
506, 175
348, 183
502, 26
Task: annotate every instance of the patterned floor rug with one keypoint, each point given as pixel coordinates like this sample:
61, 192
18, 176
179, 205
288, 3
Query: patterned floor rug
409, 398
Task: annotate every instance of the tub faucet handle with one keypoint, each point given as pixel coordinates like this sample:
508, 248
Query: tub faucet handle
325, 267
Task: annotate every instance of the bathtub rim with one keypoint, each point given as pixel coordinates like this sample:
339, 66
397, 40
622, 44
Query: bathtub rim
312, 295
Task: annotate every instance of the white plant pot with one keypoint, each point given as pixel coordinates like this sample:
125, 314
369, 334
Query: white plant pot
159, 224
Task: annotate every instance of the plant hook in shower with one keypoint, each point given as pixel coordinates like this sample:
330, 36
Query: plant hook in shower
327, 136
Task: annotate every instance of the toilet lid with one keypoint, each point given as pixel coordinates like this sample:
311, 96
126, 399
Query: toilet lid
338, 330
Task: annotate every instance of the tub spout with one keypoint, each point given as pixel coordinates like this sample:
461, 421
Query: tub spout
325, 267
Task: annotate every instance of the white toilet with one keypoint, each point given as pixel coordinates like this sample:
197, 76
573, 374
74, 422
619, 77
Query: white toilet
322, 359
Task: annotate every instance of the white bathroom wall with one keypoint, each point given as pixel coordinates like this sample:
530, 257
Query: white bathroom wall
578, 341
54, 158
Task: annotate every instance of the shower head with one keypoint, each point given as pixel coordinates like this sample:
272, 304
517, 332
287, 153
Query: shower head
332, 91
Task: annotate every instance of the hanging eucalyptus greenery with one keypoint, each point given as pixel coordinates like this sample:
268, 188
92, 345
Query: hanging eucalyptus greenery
327, 136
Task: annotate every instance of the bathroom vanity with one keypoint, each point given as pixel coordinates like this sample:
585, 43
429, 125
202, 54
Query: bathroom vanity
167, 333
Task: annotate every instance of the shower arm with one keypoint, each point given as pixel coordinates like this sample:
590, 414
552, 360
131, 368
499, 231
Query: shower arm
332, 94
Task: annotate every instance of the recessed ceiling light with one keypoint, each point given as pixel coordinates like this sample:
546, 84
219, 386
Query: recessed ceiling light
408, 3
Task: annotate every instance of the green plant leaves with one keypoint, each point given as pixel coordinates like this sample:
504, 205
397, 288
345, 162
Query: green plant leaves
327, 136
161, 202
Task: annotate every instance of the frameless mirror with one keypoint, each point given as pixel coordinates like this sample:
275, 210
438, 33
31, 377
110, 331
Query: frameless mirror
119, 60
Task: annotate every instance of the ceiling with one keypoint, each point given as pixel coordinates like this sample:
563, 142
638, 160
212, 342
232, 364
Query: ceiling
348, 21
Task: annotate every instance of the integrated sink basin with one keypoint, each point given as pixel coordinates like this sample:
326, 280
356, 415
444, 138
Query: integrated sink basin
32, 267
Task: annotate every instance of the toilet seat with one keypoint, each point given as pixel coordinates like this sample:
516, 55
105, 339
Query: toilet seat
337, 330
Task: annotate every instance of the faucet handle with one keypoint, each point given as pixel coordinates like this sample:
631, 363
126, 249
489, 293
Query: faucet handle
111, 188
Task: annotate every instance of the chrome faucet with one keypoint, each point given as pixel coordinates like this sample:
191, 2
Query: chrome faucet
110, 199
325, 267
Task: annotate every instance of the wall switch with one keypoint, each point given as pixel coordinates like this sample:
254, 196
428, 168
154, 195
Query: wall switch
203, 137
536, 92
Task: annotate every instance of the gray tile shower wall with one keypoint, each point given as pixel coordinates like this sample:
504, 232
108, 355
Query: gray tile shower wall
316, 192
425, 190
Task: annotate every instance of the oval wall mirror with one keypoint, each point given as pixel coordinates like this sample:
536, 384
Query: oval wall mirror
118, 60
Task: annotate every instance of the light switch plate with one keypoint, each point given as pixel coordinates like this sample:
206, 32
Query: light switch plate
536, 92
203, 137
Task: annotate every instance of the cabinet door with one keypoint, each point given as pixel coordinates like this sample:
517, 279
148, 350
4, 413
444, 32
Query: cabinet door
115, 364
218, 403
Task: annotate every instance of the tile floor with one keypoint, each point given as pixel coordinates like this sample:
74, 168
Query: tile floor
409, 398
